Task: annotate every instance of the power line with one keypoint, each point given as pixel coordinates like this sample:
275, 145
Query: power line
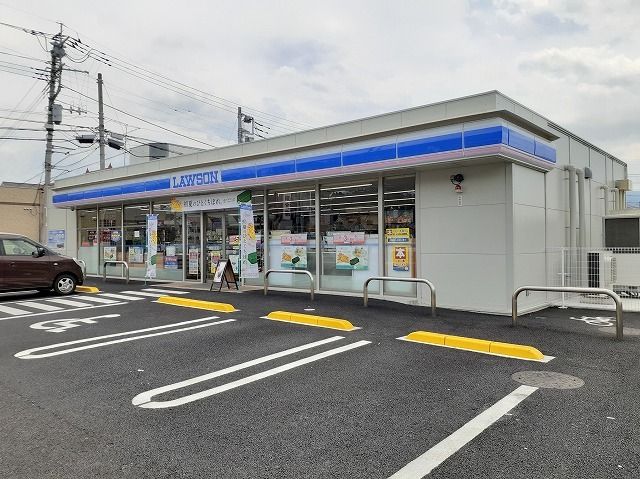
136, 70
141, 119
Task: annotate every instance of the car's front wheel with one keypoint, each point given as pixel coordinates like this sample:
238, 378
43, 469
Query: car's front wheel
65, 284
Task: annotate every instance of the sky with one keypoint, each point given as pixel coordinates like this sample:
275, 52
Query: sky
294, 65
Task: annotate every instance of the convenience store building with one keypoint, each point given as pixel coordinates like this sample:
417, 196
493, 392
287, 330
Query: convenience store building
471, 193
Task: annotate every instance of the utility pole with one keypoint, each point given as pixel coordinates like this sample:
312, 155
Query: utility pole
240, 129
57, 52
101, 121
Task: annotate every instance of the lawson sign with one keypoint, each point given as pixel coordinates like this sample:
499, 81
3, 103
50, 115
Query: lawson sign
195, 179
175, 183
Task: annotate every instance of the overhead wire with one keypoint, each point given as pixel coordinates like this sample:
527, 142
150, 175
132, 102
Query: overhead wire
165, 81
143, 120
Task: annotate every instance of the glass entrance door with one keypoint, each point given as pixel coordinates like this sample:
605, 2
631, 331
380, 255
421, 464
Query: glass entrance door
193, 246
214, 241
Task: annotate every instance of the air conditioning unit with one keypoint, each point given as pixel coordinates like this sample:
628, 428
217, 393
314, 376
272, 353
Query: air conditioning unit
601, 269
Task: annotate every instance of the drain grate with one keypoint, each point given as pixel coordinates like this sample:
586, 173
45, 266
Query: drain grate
547, 379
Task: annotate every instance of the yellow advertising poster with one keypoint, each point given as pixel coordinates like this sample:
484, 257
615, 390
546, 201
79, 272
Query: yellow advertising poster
401, 258
397, 235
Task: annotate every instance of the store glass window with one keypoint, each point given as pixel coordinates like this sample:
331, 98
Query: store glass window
400, 234
170, 250
135, 238
88, 249
349, 234
292, 234
110, 238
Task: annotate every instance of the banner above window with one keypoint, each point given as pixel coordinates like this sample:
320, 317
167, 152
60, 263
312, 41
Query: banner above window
217, 201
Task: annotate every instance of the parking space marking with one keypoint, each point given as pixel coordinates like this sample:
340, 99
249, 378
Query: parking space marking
144, 399
67, 302
40, 306
29, 353
12, 311
93, 299
120, 296
31, 315
142, 293
165, 291
61, 325
439, 453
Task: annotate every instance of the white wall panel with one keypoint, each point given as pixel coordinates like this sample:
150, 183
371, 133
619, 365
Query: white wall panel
556, 189
556, 229
597, 164
474, 282
528, 186
528, 229
463, 230
579, 154
482, 185
529, 269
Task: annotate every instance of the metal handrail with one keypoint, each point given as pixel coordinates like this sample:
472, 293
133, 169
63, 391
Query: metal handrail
83, 267
123, 263
568, 289
291, 271
432, 288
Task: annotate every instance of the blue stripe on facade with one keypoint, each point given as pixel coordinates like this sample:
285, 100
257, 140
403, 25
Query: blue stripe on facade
480, 137
273, 169
521, 142
242, 173
544, 151
133, 188
369, 155
493, 135
435, 144
77, 196
320, 162
61, 198
92, 194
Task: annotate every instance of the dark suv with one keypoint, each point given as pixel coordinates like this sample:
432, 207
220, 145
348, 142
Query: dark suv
25, 264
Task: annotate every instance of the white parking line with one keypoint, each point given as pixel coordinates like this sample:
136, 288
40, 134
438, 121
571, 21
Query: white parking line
144, 399
120, 296
31, 315
93, 299
29, 353
165, 291
40, 306
439, 453
67, 302
142, 293
12, 311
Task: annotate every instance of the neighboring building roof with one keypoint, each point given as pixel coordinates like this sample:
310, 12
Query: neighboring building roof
11, 184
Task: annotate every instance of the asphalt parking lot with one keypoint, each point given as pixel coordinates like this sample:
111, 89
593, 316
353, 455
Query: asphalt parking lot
119, 385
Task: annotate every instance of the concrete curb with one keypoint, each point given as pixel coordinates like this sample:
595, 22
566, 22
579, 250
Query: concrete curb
311, 320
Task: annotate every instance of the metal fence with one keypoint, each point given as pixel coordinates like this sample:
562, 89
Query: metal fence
617, 269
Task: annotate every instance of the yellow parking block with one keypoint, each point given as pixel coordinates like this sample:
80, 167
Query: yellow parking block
427, 337
197, 303
471, 344
87, 289
519, 351
311, 320
516, 350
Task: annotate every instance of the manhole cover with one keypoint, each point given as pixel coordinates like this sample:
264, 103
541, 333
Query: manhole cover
547, 379
627, 331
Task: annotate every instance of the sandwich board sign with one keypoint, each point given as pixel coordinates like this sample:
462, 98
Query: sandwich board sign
224, 273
